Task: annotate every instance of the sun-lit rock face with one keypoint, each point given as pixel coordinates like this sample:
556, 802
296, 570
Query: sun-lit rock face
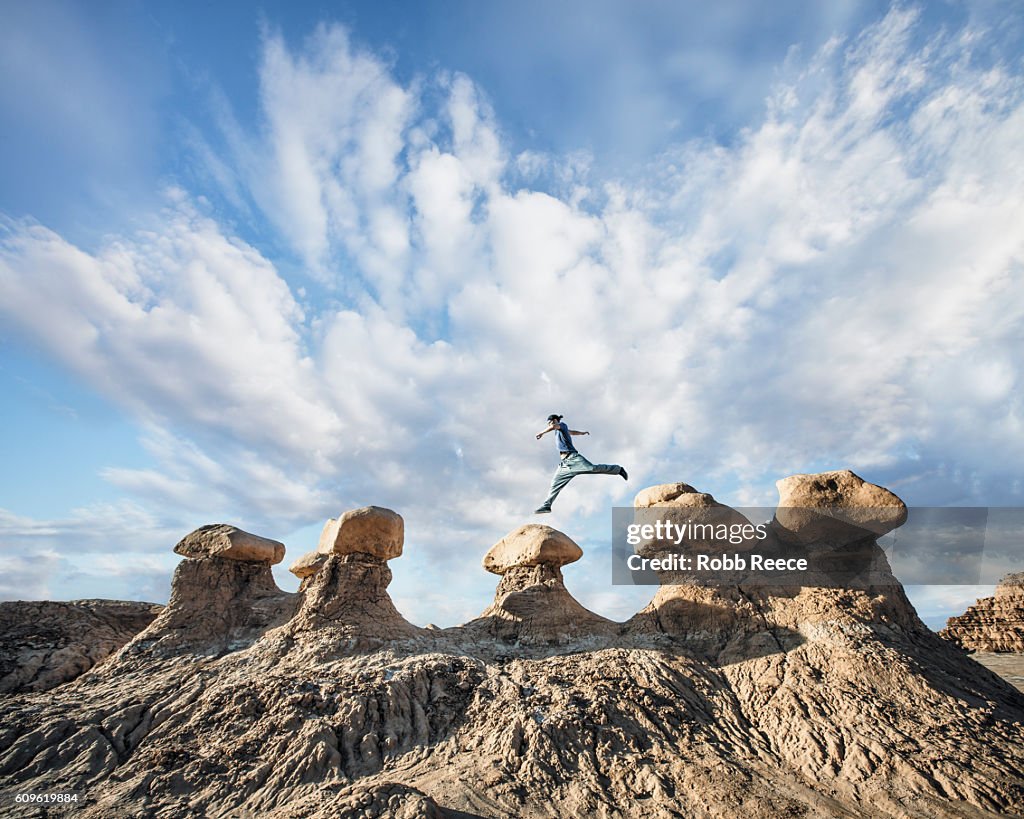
531, 545
993, 623
531, 603
838, 520
345, 582
230, 543
835, 507
307, 566
221, 599
371, 530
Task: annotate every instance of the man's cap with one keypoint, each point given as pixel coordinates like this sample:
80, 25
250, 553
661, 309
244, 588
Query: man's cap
553, 417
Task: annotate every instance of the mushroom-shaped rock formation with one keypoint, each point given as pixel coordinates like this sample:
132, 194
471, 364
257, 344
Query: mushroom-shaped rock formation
993, 623
531, 604
223, 595
710, 618
723, 617
836, 519
530, 546
371, 530
698, 512
662, 494
835, 508
308, 565
854, 717
346, 600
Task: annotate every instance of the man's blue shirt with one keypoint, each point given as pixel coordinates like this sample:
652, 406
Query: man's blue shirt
564, 438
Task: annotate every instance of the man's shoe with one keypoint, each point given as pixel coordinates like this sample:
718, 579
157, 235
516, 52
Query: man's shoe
622, 472
542, 510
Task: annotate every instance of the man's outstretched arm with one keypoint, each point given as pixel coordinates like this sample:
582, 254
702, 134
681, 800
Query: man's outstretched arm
577, 432
551, 428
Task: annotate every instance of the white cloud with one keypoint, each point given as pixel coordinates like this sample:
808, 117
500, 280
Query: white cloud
27, 576
184, 323
88, 529
326, 175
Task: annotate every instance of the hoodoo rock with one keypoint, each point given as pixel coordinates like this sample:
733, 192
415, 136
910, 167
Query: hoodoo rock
681, 504
44, 644
716, 616
662, 494
223, 595
993, 623
345, 600
709, 618
835, 507
231, 543
531, 604
370, 530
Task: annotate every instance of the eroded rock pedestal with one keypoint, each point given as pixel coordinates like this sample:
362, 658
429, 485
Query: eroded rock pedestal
836, 507
345, 598
709, 618
993, 623
223, 594
835, 515
531, 604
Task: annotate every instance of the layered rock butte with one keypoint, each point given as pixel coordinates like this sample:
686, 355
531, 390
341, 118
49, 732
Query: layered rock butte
994, 623
241, 700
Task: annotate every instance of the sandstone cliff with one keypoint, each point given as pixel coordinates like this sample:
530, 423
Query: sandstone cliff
713, 701
993, 623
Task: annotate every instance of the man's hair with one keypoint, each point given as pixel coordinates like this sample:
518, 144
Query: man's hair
554, 417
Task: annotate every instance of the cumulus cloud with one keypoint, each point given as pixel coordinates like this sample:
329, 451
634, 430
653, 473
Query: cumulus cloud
183, 323
837, 287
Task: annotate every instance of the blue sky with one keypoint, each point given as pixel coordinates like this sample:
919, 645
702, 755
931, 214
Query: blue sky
262, 265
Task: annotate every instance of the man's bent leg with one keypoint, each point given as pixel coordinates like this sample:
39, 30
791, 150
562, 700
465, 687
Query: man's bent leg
605, 469
581, 466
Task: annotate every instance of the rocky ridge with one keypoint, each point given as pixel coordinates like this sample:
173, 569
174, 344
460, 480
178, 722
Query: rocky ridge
242, 700
45, 643
993, 624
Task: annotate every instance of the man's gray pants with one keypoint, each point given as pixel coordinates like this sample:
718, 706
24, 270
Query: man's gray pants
571, 466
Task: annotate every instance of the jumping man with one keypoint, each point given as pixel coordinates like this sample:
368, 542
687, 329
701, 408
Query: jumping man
573, 463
